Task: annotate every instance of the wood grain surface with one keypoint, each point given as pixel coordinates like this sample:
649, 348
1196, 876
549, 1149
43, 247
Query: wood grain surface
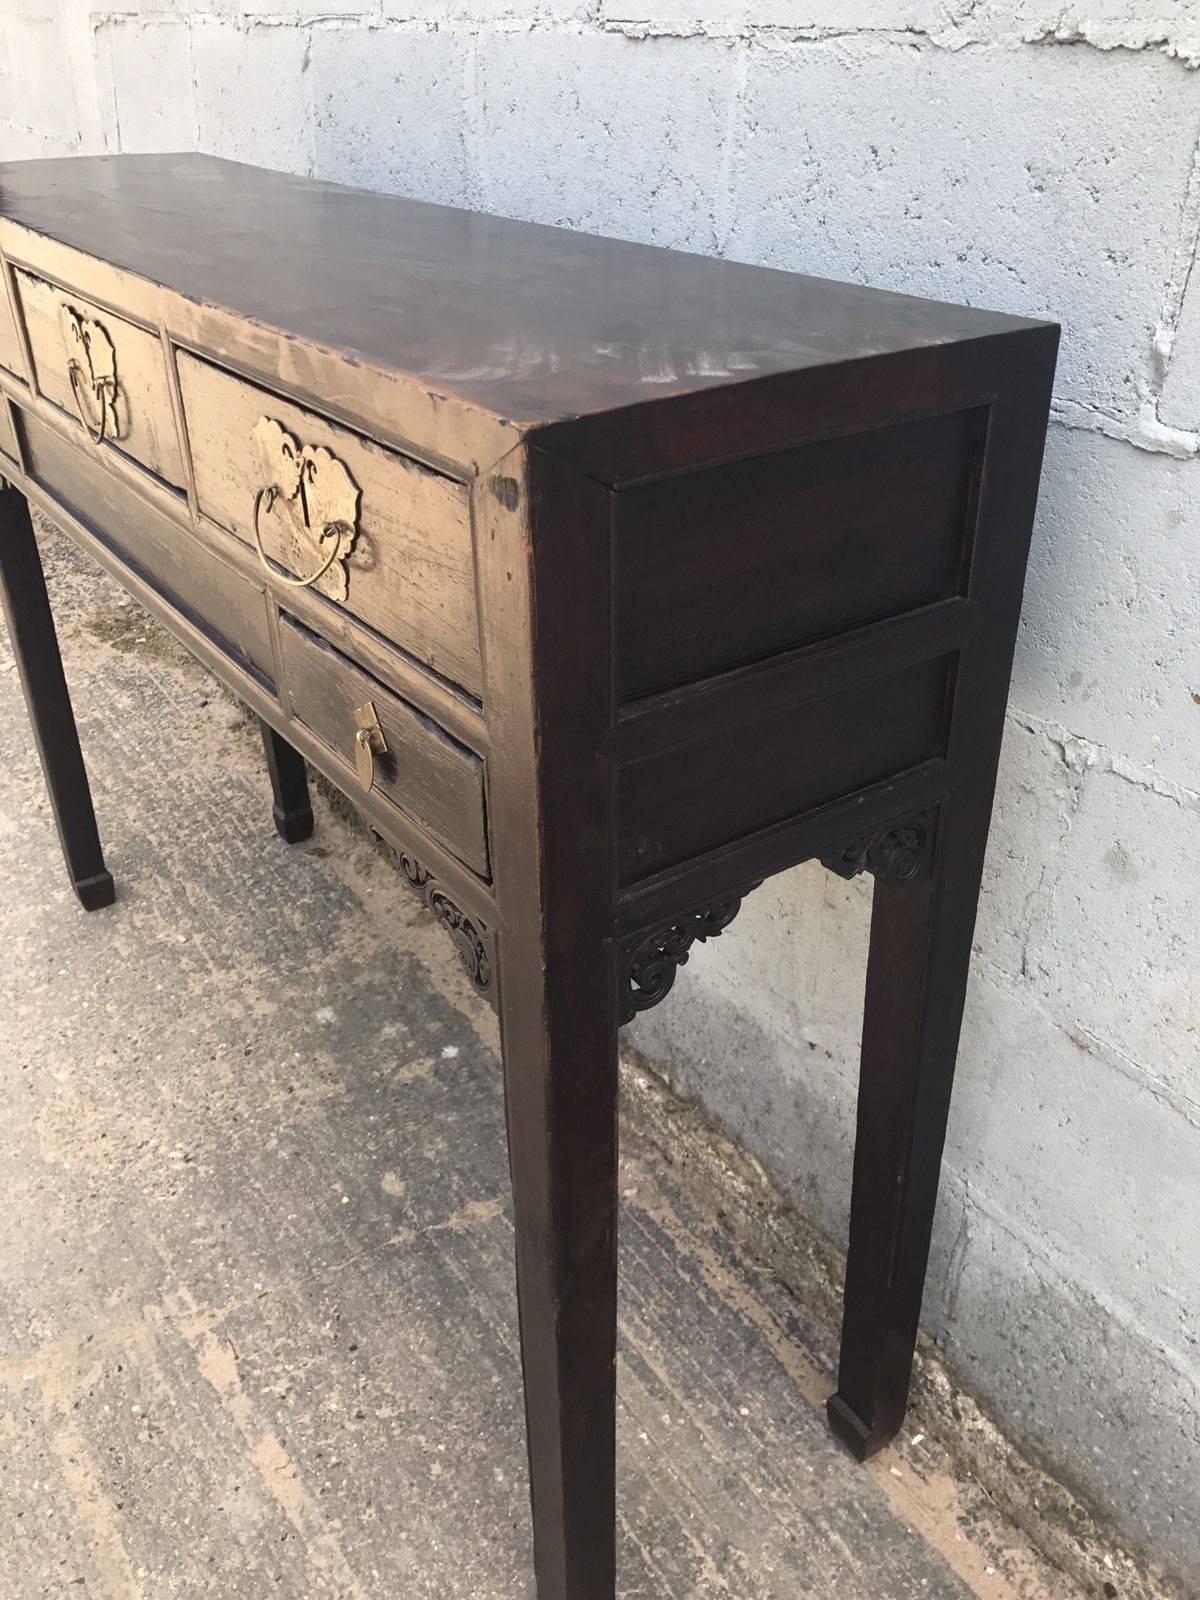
529, 322
231, 611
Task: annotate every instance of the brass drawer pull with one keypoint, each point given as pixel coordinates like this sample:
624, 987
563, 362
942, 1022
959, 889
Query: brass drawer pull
332, 531
322, 505
92, 369
369, 742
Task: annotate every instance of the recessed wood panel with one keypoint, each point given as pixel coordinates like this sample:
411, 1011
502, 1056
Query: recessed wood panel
427, 774
210, 593
713, 791
410, 574
144, 427
727, 566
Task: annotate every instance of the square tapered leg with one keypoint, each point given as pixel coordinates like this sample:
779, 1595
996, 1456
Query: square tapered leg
39, 663
292, 809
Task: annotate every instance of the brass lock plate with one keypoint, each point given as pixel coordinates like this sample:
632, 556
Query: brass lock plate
369, 743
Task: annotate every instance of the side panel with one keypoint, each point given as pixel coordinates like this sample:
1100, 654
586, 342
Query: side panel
695, 797
727, 566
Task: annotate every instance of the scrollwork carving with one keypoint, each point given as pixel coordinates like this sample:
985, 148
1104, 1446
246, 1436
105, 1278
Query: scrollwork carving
469, 940
896, 852
472, 940
652, 962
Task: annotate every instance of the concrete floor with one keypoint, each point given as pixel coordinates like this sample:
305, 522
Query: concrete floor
257, 1327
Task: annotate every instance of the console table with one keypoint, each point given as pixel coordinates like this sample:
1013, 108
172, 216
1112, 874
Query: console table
608, 581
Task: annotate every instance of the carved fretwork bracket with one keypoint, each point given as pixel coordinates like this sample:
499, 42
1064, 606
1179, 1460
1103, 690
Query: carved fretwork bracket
896, 852
649, 964
472, 939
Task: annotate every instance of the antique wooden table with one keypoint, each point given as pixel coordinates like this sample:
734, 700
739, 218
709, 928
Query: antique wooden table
608, 580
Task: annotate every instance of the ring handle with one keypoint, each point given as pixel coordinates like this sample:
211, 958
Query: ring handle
92, 370
103, 389
331, 530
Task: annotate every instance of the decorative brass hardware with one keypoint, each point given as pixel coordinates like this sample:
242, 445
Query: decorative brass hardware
320, 499
369, 742
92, 369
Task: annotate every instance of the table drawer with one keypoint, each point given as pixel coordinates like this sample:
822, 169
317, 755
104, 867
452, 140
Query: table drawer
10, 345
106, 373
423, 771
215, 598
403, 562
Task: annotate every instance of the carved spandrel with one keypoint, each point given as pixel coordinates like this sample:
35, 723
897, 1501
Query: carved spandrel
651, 964
472, 939
896, 852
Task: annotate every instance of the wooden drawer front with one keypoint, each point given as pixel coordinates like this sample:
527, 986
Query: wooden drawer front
10, 345
210, 593
409, 573
723, 567
701, 795
140, 423
424, 772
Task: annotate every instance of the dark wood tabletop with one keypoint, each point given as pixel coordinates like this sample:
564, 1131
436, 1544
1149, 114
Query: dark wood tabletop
532, 323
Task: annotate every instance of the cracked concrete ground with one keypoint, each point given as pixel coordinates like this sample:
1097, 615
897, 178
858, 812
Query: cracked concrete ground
257, 1326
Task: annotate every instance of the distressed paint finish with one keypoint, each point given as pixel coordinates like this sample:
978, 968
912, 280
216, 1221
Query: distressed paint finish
144, 423
410, 563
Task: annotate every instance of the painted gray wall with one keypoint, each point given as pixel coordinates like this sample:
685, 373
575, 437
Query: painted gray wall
1036, 156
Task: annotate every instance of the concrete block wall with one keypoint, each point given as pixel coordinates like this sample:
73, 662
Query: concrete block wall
1034, 155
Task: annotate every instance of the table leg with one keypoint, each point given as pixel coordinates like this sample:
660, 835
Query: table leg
916, 982
39, 663
560, 1059
289, 784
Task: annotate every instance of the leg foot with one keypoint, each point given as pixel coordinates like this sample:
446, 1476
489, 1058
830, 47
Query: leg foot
293, 827
292, 810
96, 892
853, 1432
